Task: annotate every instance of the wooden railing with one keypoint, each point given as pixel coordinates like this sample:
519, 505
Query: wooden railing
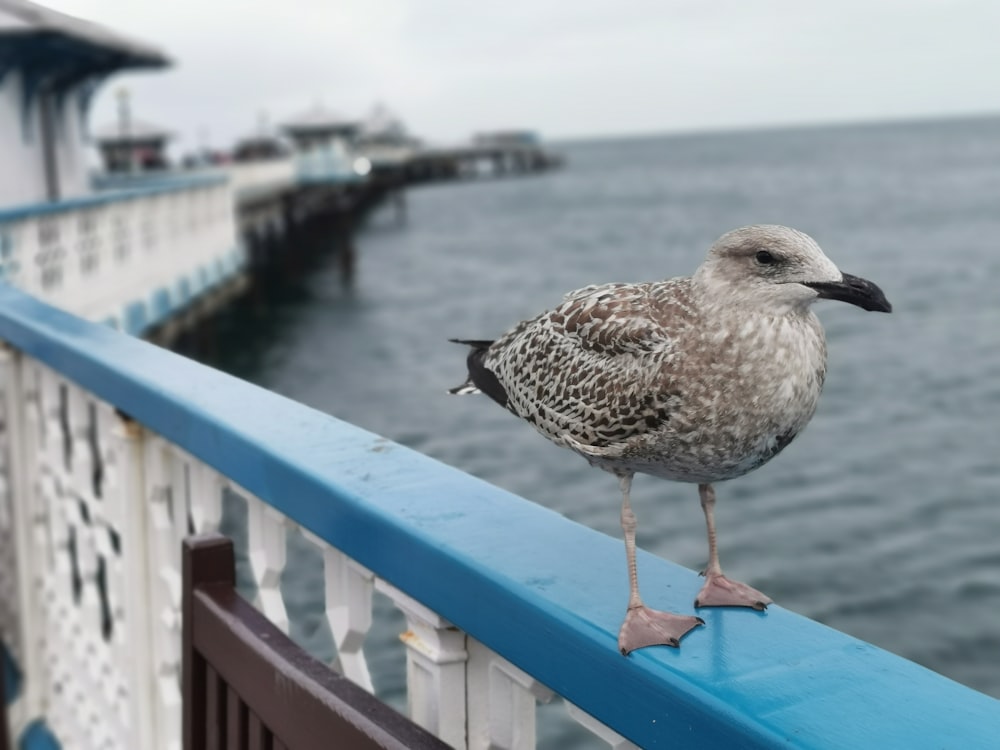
113, 451
248, 687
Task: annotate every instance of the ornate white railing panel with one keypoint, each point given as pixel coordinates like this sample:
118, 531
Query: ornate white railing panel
89, 643
131, 257
114, 502
506, 604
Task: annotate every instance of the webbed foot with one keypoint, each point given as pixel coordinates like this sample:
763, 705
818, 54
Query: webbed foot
650, 627
719, 591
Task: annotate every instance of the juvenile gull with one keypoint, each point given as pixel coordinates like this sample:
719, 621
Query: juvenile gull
694, 379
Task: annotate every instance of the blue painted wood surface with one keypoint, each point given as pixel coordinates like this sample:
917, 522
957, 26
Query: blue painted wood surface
543, 591
102, 198
38, 737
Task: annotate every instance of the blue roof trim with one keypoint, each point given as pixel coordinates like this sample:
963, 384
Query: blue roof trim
543, 591
140, 316
136, 319
58, 50
133, 192
184, 292
161, 304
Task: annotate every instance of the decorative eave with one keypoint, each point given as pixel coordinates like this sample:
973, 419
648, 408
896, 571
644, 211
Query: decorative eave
64, 50
58, 54
20, 17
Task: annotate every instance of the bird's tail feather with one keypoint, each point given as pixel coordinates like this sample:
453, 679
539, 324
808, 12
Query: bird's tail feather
493, 389
474, 343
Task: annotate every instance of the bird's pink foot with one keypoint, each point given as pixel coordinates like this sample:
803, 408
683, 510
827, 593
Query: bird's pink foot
650, 627
719, 591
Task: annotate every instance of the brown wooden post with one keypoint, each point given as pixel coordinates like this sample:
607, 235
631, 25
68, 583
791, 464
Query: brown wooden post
248, 687
207, 559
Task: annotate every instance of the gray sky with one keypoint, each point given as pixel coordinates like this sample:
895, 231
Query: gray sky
451, 67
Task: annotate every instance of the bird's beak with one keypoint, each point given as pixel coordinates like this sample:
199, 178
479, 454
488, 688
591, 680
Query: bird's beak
855, 290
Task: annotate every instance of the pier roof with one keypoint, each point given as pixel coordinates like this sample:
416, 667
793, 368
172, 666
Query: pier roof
40, 34
319, 119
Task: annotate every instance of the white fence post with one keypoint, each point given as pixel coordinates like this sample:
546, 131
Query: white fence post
349, 588
501, 701
435, 669
266, 532
599, 729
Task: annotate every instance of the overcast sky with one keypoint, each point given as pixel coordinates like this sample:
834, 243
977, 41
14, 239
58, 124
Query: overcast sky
567, 69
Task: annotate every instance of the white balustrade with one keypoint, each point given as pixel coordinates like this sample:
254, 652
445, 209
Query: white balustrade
598, 729
349, 588
93, 508
435, 668
266, 531
502, 700
101, 256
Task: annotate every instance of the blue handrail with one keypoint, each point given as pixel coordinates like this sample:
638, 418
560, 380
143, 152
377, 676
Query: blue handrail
546, 593
134, 190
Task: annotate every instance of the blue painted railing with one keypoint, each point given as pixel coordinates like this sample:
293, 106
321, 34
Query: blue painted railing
548, 594
114, 192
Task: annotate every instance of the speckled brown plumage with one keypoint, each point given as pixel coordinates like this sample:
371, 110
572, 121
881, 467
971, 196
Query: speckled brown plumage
695, 379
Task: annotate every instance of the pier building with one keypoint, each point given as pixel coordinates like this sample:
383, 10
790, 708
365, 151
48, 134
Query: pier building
324, 144
132, 146
52, 64
129, 254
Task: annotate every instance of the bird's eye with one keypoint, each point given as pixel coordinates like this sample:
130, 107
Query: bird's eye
765, 258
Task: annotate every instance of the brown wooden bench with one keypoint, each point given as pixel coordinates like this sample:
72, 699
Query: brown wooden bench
248, 687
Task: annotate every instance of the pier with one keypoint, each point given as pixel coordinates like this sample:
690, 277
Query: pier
118, 455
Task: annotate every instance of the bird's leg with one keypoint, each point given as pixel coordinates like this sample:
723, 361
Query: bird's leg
718, 590
644, 626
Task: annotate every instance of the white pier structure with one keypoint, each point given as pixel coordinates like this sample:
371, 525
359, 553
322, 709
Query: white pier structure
324, 144
51, 65
131, 256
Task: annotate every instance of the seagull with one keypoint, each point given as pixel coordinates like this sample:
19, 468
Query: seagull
696, 379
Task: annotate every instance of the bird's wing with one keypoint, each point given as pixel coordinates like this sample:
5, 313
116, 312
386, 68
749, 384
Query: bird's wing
591, 371
611, 319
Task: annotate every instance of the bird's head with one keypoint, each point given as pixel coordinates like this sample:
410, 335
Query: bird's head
779, 269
